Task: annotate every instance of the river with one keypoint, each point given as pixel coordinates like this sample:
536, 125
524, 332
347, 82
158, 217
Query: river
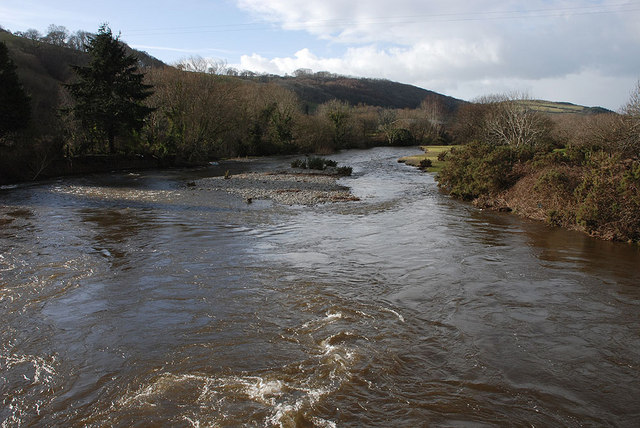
133, 299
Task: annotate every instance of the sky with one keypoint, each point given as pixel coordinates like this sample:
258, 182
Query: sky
580, 51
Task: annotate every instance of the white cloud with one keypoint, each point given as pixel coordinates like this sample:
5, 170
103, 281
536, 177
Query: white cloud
437, 60
458, 45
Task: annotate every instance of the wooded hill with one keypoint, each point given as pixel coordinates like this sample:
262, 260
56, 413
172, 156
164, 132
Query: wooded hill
198, 116
42, 67
314, 89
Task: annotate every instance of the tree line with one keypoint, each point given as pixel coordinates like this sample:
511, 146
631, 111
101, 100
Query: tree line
108, 103
58, 35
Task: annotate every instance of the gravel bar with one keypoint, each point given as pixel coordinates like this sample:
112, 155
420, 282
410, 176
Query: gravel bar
283, 188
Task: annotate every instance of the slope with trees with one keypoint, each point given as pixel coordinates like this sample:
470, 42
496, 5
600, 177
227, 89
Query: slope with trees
318, 88
15, 109
108, 95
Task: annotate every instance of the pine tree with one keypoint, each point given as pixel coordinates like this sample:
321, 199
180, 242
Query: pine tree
15, 108
109, 91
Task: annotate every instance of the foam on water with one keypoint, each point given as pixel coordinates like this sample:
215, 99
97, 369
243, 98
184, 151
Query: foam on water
284, 414
43, 370
5, 265
280, 400
279, 397
264, 391
400, 317
330, 317
32, 377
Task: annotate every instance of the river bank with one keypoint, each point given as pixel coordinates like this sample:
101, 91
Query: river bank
578, 188
432, 160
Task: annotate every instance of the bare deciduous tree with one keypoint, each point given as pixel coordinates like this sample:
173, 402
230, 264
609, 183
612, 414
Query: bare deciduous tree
57, 35
630, 144
433, 110
31, 34
79, 40
302, 72
510, 120
198, 64
430, 119
194, 63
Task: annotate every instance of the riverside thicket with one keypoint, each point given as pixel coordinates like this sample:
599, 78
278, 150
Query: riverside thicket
579, 172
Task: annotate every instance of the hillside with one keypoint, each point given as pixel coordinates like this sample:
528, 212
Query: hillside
318, 88
65, 54
42, 67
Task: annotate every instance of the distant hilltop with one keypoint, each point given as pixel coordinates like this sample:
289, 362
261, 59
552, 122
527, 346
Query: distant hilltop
320, 87
563, 107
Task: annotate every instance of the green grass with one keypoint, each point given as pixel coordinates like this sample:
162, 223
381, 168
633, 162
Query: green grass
431, 152
552, 107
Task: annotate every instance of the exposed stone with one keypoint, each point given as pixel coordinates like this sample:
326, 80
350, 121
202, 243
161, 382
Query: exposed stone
283, 188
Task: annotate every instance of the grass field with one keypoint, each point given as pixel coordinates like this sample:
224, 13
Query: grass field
431, 153
552, 107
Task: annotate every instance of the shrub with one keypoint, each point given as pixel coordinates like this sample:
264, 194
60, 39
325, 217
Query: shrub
555, 157
425, 163
580, 154
554, 190
553, 180
316, 163
555, 218
345, 171
609, 196
478, 169
299, 163
401, 137
313, 162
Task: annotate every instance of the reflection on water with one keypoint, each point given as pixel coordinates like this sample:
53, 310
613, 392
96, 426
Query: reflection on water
136, 299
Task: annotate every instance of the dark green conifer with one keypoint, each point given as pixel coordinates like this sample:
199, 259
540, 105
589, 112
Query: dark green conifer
109, 91
15, 108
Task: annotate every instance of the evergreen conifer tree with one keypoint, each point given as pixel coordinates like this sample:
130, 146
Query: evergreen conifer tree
109, 91
15, 108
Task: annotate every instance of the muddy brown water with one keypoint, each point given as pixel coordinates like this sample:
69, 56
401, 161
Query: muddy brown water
137, 300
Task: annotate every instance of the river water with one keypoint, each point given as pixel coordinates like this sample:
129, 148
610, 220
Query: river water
137, 300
